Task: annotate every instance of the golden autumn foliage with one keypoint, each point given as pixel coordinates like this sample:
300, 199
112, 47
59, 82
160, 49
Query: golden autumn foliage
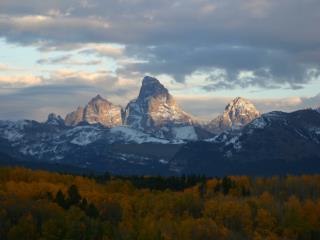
43, 205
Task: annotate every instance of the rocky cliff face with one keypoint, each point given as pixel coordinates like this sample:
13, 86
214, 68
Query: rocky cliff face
75, 117
98, 110
155, 109
237, 114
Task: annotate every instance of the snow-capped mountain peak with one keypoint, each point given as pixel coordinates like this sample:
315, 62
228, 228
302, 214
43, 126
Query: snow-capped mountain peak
151, 87
98, 110
237, 114
155, 110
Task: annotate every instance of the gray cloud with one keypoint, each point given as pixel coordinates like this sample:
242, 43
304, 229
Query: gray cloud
67, 60
62, 93
277, 41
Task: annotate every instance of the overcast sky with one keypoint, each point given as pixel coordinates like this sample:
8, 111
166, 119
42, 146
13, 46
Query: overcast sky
56, 55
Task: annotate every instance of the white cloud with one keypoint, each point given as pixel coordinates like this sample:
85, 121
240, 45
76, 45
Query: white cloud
69, 60
108, 50
20, 81
4, 67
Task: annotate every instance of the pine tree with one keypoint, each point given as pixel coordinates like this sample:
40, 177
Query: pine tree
60, 200
92, 211
74, 197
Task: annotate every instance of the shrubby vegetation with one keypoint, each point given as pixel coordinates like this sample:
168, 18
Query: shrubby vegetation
43, 205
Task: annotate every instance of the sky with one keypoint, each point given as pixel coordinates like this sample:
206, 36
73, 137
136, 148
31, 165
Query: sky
57, 55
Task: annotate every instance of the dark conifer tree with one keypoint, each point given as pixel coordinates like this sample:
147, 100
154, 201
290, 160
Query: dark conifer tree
74, 197
60, 199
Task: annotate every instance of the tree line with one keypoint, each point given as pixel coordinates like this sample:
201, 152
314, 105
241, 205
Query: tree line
43, 205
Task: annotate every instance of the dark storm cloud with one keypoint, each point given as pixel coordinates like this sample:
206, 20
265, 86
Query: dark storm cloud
269, 66
277, 40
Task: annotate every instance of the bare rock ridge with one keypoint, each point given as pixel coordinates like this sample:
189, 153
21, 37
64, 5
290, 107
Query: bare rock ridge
75, 117
237, 114
98, 110
155, 107
55, 120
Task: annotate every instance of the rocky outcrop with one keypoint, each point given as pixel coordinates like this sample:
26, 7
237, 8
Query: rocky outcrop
55, 120
75, 117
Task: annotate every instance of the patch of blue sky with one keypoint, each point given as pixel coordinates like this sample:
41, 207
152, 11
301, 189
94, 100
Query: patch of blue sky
18, 56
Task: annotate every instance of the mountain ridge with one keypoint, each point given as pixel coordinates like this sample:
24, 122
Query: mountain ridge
156, 111
161, 139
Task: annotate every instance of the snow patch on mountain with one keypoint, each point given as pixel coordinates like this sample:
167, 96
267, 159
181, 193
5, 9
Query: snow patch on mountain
13, 130
259, 123
55, 120
128, 134
84, 135
185, 133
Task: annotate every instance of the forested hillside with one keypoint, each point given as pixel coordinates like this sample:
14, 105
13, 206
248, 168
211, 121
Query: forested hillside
43, 205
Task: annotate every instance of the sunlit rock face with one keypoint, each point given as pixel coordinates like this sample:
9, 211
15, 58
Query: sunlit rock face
75, 117
238, 113
98, 110
155, 109
102, 111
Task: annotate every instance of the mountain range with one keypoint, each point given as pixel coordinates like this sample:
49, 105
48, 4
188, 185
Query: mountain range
153, 135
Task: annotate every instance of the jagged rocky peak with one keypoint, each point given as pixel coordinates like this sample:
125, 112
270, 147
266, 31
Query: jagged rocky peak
151, 87
237, 114
54, 119
98, 110
155, 107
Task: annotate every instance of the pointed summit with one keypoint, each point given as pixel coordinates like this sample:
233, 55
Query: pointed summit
98, 110
97, 97
237, 114
154, 108
242, 105
151, 87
